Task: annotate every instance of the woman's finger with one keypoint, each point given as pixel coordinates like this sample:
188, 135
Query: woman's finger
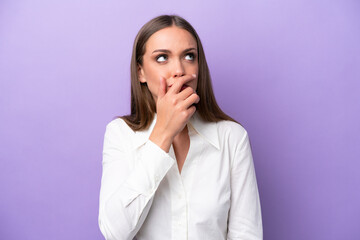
194, 98
176, 87
162, 87
185, 93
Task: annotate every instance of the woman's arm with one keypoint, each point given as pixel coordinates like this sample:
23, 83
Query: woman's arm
127, 193
245, 221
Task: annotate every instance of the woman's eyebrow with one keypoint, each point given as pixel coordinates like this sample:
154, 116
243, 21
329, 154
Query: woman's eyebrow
168, 51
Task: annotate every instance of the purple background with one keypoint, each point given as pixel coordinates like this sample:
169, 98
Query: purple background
289, 71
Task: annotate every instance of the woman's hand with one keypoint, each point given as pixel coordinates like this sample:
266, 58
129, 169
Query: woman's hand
174, 109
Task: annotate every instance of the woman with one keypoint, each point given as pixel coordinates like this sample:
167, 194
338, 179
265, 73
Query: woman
177, 167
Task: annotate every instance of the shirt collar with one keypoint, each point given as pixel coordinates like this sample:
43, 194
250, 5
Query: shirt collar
207, 130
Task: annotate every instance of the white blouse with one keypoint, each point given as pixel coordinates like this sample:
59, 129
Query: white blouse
143, 195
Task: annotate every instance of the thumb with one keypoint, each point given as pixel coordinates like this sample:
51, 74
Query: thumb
162, 87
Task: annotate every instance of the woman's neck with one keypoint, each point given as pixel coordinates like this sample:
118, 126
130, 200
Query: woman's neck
184, 134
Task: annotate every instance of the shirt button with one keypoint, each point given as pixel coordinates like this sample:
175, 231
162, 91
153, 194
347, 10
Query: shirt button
157, 178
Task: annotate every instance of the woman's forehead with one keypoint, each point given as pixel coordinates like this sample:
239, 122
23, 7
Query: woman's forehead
171, 38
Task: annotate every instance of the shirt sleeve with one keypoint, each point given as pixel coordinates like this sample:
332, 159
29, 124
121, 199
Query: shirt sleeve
245, 220
128, 184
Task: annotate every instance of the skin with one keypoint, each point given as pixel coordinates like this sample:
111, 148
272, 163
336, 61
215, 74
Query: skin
165, 73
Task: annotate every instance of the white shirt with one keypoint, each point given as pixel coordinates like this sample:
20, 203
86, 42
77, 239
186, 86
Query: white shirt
143, 195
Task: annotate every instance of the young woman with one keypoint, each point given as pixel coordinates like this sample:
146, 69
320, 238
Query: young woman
177, 167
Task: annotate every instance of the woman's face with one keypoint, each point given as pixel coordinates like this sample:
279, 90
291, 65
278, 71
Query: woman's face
171, 53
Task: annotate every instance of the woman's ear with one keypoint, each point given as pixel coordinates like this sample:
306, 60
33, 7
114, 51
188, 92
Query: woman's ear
141, 74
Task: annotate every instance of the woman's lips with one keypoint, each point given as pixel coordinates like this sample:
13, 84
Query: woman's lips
183, 87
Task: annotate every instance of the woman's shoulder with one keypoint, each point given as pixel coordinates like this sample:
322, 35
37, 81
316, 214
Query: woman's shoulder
119, 125
232, 131
119, 133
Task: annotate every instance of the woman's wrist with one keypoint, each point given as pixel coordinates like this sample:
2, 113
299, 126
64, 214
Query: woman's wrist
161, 138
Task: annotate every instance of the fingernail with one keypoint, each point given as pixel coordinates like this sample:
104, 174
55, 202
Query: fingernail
194, 75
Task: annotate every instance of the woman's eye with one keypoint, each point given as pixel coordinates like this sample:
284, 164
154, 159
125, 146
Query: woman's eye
161, 58
191, 56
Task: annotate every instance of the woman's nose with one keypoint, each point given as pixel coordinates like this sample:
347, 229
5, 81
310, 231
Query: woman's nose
178, 69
